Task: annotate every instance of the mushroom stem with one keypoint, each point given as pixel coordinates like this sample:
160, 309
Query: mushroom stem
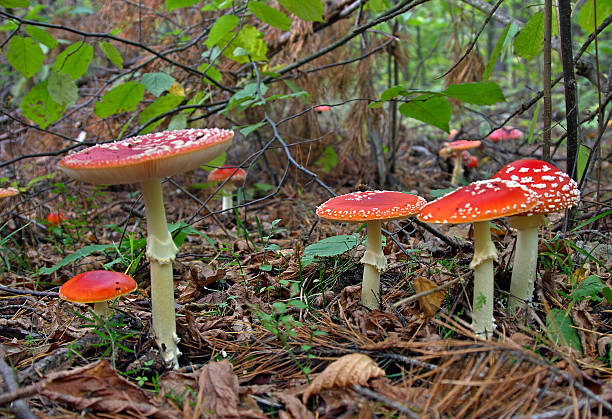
161, 251
485, 253
458, 169
101, 309
227, 202
374, 263
525, 260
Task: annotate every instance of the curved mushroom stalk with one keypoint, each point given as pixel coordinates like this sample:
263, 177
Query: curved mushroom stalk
458, 169
161, 251
374, 262
485, 253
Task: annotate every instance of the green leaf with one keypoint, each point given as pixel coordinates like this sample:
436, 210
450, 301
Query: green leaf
178, 121
497, 49
79, 254
218, 161
161, 105
328, 160
270, 15
213, 73
311, 10
590, 220
220, 29
14, 3
437, 193
63, 89
251, 128
607, 293
476, 93
332, 246
157, 83
250, 40
25, 55
529, 42
112, 54
561, 329
177, 4
583, 157
590, 287
122, 98
586, 18
38, 105
41, 36
74, 60
434, 111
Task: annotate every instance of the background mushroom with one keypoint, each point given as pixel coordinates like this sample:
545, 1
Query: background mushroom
97, 287
455, 149
371, 207
146, 159
505, 133
478, 203
556, 192
231, 176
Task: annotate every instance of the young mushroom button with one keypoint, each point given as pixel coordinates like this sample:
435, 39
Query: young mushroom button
556, 191
478, 203
371, 207
146, 159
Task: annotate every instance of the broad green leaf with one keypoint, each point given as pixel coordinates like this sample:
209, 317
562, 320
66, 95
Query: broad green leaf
74, 60
79, 254
393, 92
25, 55
251, 128
270, 15
218, 161
333, 246
476, 93
177, 4
41, 36
305, 9
437, 193
112, 54
251, 41
561, 329
590, 287
63, 89
220, 29
328, 160
157, 83
435, 111
211, 72
14, 3
38, 106
178, 121
497, 49
161, 105
122, 98
586, 18
583, 157
529, 42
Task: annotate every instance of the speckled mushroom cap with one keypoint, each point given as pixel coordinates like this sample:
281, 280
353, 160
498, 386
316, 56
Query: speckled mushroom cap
96, 286
7, 192
480, 201
146, 157
224, 172
371, 205
555, 189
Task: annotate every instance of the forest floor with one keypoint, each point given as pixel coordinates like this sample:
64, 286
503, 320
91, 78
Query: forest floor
259, 326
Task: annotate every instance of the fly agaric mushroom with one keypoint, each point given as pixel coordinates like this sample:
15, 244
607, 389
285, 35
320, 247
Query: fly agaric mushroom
146, 159
505, 133
478, 203
371, 207
56, 218
97, 287
322, 108
230, 175
455, 148
8, 192
556, 191
471, 162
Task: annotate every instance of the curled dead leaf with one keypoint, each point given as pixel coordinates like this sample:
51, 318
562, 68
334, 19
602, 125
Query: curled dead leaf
344, 372
218, 393
430, 303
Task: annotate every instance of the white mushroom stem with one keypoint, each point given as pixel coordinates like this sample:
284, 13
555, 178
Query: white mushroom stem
485, 253
101, 309
161, 251
227, 202
458, 169
374, 262
525, 260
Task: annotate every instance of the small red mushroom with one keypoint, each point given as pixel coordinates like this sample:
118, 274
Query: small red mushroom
455, 148
56, 218
505, 133
230, 175
322, 108
472, 162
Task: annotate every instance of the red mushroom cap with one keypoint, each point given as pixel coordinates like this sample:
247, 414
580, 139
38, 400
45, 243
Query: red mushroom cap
505, 133
472, 162
224, 172
146, 157
515, 134
7, 192
371, 205
480, 201
556, 190
96, 286
322, 108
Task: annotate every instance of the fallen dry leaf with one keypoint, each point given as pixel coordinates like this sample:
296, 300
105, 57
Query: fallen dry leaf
218, 394
431, 303
294, 408
344, 372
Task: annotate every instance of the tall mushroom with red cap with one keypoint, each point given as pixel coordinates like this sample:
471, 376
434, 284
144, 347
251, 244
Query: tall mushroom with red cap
478, 203
371, 207
556, 191
146, 159
455, 148
230, 175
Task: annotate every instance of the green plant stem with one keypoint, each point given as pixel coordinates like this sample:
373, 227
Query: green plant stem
374, 263
485, 253
161, 251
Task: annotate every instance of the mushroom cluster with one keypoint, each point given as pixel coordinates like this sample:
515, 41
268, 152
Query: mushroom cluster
456, 149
